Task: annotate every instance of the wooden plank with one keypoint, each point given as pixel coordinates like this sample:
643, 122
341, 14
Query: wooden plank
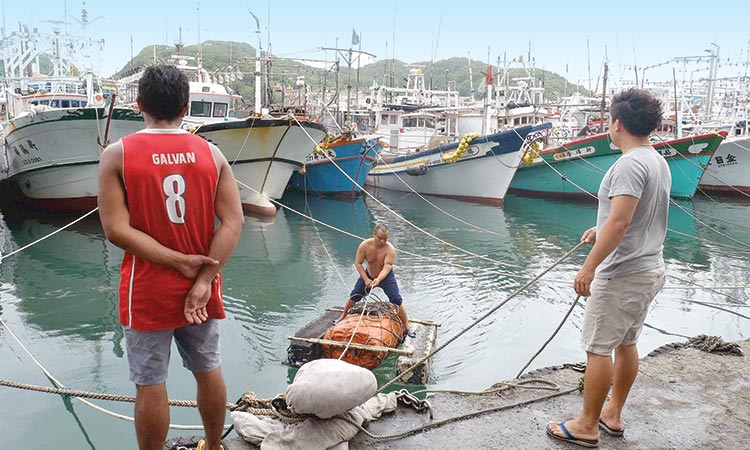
421, 322
371, 348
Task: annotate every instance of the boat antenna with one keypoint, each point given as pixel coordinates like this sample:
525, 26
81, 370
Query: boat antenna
471, 81
604, 99
588, 59
435, 47
635, 66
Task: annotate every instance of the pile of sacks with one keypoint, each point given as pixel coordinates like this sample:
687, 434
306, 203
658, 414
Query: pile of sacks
329, 389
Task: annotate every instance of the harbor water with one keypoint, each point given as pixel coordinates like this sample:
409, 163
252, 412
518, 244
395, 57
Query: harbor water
59, 297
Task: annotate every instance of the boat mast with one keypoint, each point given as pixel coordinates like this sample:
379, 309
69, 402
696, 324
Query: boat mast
604, 99
257, 64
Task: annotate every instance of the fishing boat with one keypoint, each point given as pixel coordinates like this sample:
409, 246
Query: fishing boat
477, 168
338, 166
366, 337
576, 169
263, 152
58, 124
57, 129
726, 169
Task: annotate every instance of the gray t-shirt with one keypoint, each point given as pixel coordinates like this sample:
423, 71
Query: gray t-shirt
642, 173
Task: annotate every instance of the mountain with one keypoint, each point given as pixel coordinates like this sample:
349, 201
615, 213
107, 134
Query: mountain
230, 57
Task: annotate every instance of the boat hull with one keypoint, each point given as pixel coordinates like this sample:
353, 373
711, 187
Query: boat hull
53, 155
483, 175
263, 154
353, 161
727, 170
576, 169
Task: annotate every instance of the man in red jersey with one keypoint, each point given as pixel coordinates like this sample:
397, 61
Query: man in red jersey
160, 191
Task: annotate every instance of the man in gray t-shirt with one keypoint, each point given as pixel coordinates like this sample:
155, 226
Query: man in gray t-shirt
624, 270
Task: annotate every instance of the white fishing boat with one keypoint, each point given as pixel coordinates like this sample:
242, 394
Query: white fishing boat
727, 169
478, 168
58, 124
263, 153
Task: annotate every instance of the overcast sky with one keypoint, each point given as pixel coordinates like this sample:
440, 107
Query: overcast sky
572, 34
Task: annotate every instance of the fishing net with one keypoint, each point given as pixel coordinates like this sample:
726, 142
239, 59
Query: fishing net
380, 327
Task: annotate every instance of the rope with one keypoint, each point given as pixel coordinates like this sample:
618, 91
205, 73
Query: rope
564, 177
484, 316
405, 220
59, 385
714, 344
2, 257
541, 349
716, 306
497, 388
471, 415
401, 250
380, 158
693, 283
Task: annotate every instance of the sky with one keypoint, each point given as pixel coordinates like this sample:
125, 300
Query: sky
572, 38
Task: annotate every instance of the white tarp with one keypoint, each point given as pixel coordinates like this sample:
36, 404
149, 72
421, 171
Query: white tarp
312, 433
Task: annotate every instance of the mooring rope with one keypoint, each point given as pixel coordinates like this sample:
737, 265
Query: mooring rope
422, 197
671, 200
2, 257
401, 250
63, 389
541, 349
408, 222
471, 415
480, 319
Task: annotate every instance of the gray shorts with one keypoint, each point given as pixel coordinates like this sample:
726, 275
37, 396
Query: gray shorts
149, 351
617, 308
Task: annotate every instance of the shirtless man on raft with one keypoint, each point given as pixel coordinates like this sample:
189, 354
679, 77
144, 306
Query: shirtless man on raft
379, 254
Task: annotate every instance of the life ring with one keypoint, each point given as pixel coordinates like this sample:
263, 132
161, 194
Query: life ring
98, 97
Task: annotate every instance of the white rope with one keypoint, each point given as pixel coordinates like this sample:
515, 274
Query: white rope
416, 255
2, 257
59, 385
671, 200
380, 159
736, 241
416, 227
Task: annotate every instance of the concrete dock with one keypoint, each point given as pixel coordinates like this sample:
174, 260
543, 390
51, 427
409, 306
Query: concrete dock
683, 399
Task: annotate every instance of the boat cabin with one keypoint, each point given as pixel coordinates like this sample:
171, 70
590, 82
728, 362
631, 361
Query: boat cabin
53, 92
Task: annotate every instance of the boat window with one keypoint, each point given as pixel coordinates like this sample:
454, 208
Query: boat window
429, 123
394, 119
64, 103
54, 103
75, 103
384, 118
220, 109
410, 122
200, 109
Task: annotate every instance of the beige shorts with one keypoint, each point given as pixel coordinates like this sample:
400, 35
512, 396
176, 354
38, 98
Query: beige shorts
617, 308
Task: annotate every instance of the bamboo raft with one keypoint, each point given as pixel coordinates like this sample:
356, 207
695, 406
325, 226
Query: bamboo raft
318, 340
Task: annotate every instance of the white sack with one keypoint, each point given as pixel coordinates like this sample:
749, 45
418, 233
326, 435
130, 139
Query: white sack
313, 433
328, 387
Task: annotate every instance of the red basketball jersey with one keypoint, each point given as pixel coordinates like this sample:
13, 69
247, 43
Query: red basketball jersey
170, 180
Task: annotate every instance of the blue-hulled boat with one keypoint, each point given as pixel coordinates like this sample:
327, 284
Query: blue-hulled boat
351, 158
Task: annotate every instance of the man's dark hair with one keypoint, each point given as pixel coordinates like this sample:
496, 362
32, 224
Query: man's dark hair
163, 91
637, 110
380, 226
